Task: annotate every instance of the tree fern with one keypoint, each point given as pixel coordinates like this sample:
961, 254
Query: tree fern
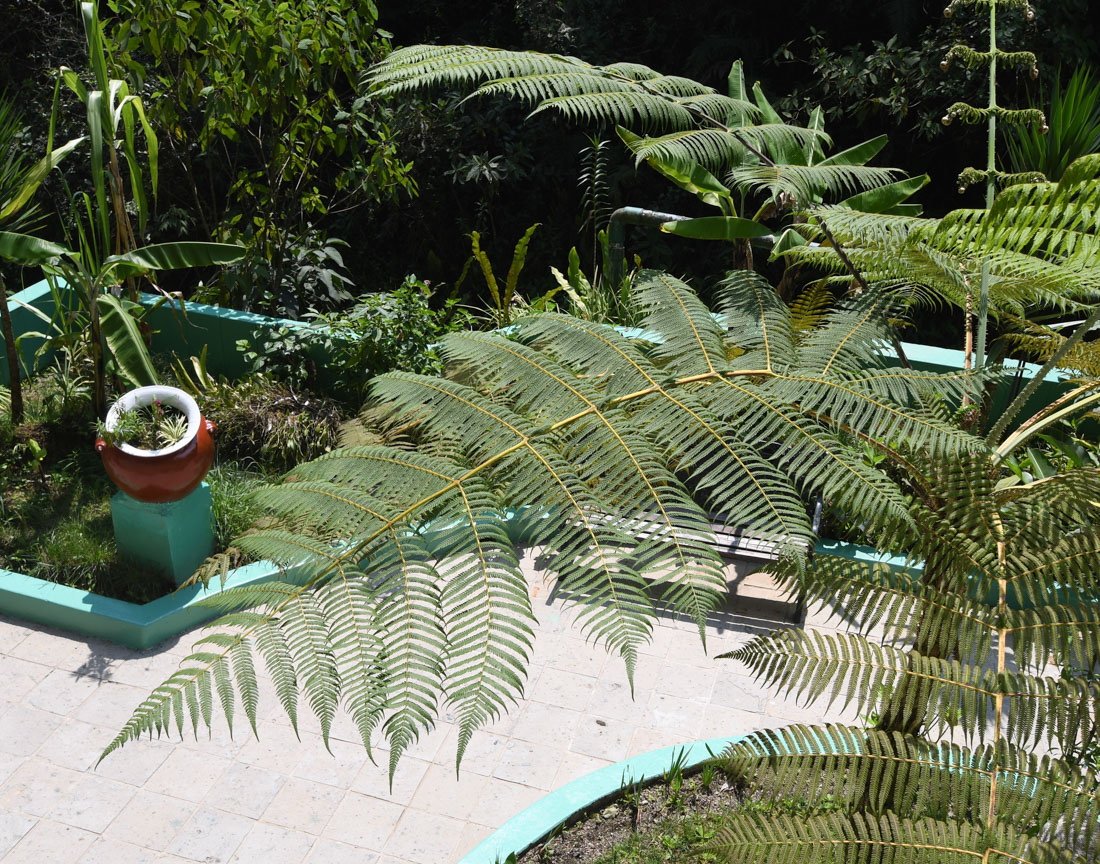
407, 588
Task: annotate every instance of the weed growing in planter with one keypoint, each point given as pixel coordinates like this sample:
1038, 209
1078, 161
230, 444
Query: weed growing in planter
150, 427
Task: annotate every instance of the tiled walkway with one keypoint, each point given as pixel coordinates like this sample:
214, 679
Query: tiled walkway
276, 800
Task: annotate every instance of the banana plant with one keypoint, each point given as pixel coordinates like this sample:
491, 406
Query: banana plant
18, 183
113, 114
748, 171
112, 336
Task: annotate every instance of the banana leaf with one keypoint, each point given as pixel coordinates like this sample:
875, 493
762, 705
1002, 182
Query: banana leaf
124, 341
717, 228
171, 256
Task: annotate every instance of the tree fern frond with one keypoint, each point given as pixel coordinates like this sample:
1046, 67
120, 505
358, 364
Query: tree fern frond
888, 771
886, 839
807, 183
618, 92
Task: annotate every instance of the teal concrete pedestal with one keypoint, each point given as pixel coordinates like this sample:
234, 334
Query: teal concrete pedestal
174, 538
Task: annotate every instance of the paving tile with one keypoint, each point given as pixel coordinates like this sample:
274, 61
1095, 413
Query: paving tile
187, 774
443, 793
721, 722
482, 752
671, 714
500, 801
612, 699
429, 744
13, 826
303, 805
686, 649
75, 744
150, 820
546, 724
8, 763
734, 690
92, 803
686, 682
424, 838
277, 749
146, 671
137, 761
51, 842
336, 768
374, 780
106, 850
563, 689
52, 649
36, 786
363, 821
111, 705
574, 765
62, 692
331, 852
24, 729
472, 835
212, 836
270, 844
529, 764
11, 634
652, 739
603, 738
574, 654
245, 790
20, 677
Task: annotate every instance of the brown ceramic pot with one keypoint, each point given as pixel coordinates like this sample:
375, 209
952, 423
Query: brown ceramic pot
159, 476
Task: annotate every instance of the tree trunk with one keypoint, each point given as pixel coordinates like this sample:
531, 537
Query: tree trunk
15, 385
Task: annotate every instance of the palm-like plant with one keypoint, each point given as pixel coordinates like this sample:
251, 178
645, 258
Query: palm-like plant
619, 450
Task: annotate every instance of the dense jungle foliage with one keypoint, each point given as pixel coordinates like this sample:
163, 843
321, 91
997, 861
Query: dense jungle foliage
267, 137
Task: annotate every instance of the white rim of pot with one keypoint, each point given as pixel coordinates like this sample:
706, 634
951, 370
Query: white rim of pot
143, 396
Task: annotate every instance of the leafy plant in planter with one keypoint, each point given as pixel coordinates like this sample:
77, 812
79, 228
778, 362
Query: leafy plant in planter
150, 427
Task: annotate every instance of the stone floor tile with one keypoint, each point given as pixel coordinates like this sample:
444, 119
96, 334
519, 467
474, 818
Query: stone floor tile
8, 763
331, 852
574, 654
429, 744
612, 699
685, 649
374, 779
187, 774
146, 671
682, 717
52, 648
92, 803
150, 820
111, 705
304, 805
336, 766
269, 844
51, 842
245, 790
75, 744
363, 821
603, 738
36, 786
20, 677
546, 724
574, 765
500, 800
443, 793
529, 764
563, 689
686, 682
137, 761
721, 722
733, 690
482, 752
472, 835
13, 825
24, 729
211, 836
109, 851
424, 838
653, 739
277, 749
62, 692
11, 634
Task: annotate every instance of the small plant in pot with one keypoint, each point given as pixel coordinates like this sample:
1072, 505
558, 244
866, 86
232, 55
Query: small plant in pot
155, 444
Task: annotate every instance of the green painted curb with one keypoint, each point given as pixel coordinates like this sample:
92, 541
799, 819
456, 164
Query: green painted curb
527, 828
129, 624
